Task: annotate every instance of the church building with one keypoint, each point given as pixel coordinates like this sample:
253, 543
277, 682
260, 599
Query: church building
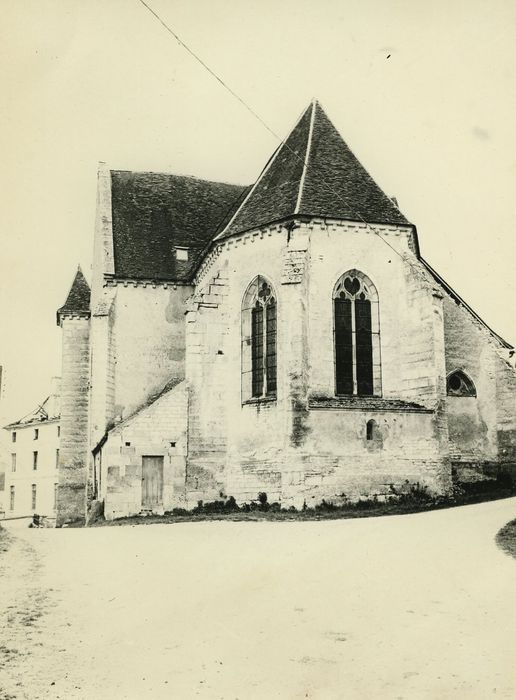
285, 338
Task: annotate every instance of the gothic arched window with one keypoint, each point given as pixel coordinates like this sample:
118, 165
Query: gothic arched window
259, 340
356, 330
459, 384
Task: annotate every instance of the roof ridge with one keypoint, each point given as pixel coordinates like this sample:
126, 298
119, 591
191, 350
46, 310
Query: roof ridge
264, 171
459, 300
180, 175
307, 156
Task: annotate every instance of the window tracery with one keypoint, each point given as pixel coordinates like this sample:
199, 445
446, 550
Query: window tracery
259, 331
459, 384
356, 336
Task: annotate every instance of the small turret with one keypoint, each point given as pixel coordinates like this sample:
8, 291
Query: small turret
74, 319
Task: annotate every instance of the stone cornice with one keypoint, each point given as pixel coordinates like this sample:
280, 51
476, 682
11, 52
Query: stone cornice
154, 284
218, 246
72, 315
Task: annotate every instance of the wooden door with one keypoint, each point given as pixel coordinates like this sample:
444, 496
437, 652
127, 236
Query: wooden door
152, 482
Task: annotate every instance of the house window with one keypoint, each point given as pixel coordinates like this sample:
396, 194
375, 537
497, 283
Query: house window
36, 433
13, 462
33, 497
181, 253
356, 328
34, 460
13, 436
259, 321
58, 431
459, 384
12, 495
55, 496
57, 459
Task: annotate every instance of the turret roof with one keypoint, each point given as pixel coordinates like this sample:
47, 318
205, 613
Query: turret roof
78, 299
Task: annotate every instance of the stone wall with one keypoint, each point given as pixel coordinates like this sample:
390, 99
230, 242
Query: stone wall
74, 452
286, 446
149, 327
482, 428
160, 429
506, 413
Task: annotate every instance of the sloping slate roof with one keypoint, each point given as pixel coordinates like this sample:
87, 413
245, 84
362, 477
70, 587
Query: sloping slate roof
337, 185
154, 212
460, 301
314, 173
274, 196
78, 299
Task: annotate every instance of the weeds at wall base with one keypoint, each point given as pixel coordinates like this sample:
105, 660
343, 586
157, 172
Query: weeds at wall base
409, 498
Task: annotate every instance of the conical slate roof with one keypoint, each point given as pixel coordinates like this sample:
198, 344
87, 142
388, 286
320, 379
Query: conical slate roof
78, 299
313, 173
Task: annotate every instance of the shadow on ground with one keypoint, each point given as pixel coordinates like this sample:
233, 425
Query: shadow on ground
506, 538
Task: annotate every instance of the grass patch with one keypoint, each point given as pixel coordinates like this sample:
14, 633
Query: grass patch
409, 498
506, 538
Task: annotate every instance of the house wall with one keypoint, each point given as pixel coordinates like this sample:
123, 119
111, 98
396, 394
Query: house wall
45, 477
284, 447
157, 430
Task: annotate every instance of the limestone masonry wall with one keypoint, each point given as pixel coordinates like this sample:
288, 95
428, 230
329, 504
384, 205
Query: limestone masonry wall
74, 452
158, 430
472, 420
149, 327
284, 446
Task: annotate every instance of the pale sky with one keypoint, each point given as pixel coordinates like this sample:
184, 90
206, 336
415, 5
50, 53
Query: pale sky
424, 93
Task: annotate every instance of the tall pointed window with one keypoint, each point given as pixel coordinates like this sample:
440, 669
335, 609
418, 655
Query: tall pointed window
259, 340
356, 336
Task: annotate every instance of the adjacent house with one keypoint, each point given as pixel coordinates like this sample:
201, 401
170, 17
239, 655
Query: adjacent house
31, 475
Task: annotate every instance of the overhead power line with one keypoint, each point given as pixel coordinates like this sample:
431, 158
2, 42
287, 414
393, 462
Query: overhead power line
339, 196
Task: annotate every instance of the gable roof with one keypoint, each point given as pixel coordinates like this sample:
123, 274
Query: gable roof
78, 299
313, 173
153, 213
460, 301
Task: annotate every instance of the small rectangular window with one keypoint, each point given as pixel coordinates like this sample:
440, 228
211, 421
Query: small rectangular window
13, 436
33, 503
58, 431
57, 459
181, 253
13, 462
36, 433
55, 496
34, 460
11, 504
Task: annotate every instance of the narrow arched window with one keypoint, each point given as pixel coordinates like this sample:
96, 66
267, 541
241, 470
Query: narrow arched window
356, 336
259, 340
459, 384
374, 437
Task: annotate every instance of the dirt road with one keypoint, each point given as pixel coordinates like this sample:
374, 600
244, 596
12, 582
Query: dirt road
413, 606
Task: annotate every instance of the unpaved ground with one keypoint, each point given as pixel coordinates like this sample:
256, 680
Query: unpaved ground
405, 607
